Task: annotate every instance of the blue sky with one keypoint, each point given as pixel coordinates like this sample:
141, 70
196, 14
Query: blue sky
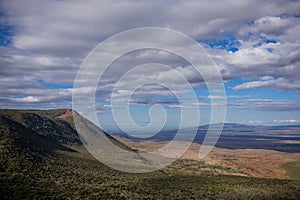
254, 44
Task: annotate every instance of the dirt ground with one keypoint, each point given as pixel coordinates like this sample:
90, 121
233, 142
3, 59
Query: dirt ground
250, 162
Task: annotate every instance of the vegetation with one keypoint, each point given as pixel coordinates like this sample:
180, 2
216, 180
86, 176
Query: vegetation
35, 164
293, 169
77, 175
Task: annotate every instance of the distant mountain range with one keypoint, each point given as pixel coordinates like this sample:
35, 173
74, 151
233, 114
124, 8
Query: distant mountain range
284, 138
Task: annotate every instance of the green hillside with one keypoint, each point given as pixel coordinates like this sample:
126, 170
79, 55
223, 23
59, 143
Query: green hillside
43, 158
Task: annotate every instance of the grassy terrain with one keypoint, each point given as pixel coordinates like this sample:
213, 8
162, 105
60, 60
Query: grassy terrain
292, 169
41, 158
77, 175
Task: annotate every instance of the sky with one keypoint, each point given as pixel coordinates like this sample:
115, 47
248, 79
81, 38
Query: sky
254, 44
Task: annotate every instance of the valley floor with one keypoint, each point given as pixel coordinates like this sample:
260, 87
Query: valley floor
258, 163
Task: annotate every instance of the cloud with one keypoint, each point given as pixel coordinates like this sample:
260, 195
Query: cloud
27, 99
215, 97
249, 104
62, 28
280, 84
266, 105
272, 53
270, 25
51, 39
286, 121
273, 122
211, 97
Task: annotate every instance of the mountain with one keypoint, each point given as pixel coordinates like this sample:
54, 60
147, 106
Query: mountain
49, 123
28, 136
42, 157
285, 138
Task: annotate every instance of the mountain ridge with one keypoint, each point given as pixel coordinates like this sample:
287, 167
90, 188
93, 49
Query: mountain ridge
29, 136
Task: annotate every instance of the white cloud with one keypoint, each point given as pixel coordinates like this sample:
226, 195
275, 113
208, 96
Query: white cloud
52, 38
271, 122
268, 48
266, 105
280, 83
286, 121
269, 25
27, 99
215, 97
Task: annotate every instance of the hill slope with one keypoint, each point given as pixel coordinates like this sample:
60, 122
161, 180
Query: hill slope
28, 136
42, 157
